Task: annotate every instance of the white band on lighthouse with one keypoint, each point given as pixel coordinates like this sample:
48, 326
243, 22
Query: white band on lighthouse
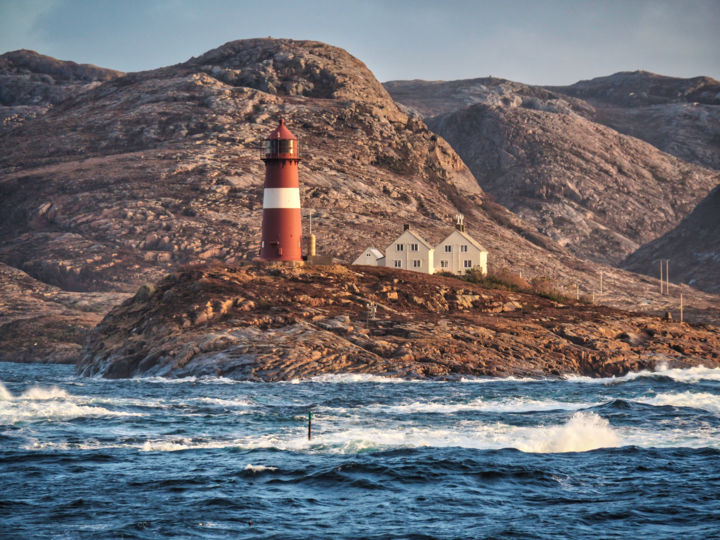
281, 198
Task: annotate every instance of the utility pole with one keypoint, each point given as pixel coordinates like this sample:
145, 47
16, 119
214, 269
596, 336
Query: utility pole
601, 281
577, 292
661, 276
667, 276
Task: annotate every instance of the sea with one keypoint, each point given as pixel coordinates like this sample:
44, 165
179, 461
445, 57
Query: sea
629, 457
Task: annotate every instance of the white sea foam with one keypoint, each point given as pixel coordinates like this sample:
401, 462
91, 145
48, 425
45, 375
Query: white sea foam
353, 378
480, 380
259, 468
584, 431
696, 400
230, 403
684, 375
53, 403
518, 404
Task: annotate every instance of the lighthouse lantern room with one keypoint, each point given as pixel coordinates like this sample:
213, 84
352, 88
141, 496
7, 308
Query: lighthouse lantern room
282, 222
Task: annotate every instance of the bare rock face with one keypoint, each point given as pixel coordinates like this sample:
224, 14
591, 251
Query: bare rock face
31, 83
434, 98
41, 323
544, 154
279, 322
600, 193
693, 248
678, 116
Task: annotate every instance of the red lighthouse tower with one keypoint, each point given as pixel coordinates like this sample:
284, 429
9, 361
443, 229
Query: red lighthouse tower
282, 224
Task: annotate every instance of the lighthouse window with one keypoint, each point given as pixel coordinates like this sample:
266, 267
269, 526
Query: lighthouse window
413, 247
286, 146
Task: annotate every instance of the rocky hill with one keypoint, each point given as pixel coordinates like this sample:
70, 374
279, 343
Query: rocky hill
693, 248
546, 156
678, 116
122, 182
31, 83
280, 322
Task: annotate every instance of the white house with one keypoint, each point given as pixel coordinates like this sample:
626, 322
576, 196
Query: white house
410, 251
460, 252
371, 257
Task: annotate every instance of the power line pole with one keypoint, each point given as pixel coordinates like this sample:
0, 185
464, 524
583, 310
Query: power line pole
661, 276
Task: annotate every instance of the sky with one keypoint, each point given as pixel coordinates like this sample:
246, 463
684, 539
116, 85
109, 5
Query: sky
535, 42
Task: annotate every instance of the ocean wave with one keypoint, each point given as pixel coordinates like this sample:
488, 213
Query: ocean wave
354, 378
258, 468
583, 432
481, 380
509, 405
683, 375
696, 400
47, 403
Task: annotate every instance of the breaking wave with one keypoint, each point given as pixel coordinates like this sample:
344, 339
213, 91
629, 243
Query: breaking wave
682, 375
39, 403
695, 400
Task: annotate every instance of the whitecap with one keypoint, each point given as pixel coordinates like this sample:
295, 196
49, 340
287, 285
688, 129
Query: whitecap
684, 375
584, 431
509, 405
53, 403
350, 378
259, 468
696, 400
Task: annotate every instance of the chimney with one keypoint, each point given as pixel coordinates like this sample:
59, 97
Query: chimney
460, 222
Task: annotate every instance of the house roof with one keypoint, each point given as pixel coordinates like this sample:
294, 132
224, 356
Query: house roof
417, 237
375, 252
467, 237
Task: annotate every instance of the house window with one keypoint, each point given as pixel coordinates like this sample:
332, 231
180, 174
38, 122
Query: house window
463, 249
443, 264
398, 264
448, 249
467, 264
416, 263
413, 247
399, 247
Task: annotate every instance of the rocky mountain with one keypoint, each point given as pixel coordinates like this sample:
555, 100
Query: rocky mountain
541, 153
678, 116
278, 322
31, 83
693, 248
122, 182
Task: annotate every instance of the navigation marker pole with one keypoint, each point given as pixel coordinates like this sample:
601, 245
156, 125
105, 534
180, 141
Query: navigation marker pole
309, 425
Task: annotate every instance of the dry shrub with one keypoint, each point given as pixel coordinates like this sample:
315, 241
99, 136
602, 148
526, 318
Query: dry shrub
502, 278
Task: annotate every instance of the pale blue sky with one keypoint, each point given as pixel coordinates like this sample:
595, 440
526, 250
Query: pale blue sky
537, 42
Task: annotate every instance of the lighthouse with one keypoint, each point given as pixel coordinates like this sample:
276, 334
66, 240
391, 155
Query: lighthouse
282, 224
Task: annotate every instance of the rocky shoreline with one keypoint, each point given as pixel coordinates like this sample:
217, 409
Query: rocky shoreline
274, 322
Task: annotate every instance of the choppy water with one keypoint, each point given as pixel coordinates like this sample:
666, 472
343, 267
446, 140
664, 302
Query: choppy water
637, 456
